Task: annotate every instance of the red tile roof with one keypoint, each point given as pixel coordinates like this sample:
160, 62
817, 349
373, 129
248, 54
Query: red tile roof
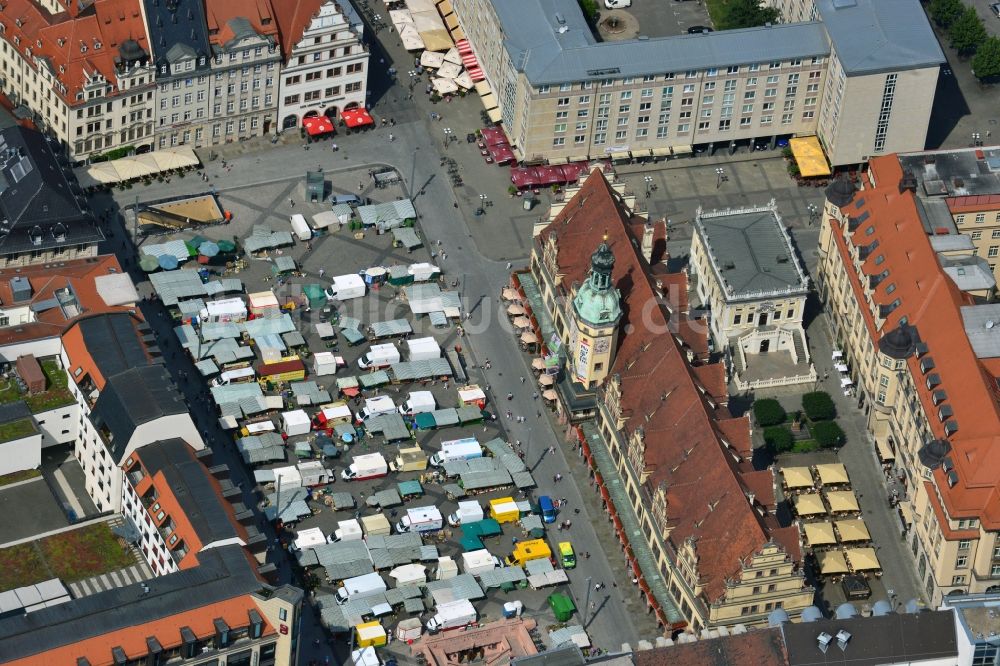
760, 647
258, 12
74, 46
294, 16
45, 280
973, 203
665, 397
931, 302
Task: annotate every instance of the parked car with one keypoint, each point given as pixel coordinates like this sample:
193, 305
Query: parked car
995, 7
698, 29
617, 4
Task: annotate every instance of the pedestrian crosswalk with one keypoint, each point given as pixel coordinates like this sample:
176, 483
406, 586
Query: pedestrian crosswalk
134, 574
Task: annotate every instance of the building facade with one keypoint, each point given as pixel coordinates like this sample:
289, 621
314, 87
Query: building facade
564, 95
923, 350
86, 77
658, 418
325, 60
216, 67
749, 278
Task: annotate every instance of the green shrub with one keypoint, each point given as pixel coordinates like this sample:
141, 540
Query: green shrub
828, 434
805, 446
769, 412
819, 406
778, 439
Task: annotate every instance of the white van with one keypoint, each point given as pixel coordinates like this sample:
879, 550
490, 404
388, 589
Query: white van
236, 376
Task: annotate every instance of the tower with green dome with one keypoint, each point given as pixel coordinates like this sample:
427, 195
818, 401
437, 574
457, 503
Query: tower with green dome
596, 314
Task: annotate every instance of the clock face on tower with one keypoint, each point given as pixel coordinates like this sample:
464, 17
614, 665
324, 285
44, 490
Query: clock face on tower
601, 345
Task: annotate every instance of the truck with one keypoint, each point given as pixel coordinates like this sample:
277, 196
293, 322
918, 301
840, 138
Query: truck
379, 356
380, 404
548, 509
348, 530
472, 395
410, 459
422, 349
525, 551
466, 448
365, 466
360, 586
235, 376
469, 511
346, 287
504, 510
478, 562
452, 615
420, 519
418, 402
300, 227
313, 473
376, 525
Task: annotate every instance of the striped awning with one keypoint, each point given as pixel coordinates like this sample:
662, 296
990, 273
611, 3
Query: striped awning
659, 152
620, 155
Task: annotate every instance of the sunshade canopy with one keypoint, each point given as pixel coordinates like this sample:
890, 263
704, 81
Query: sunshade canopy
797, 477
863, 559
831, 562
515, 309
832, 473
356, 117
529, 338
809, 504
819, 534
317, 125
842, 500
546, 380
853, 530
809, 156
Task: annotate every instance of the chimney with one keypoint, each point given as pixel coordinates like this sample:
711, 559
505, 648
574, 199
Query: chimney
647, 242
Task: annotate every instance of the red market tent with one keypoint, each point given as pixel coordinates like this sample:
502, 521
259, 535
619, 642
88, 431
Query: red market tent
550, 175
573, 172
356, 118
318, 125
524, 176
493, 136
501, 153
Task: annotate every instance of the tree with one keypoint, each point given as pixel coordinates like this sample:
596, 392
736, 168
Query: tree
746, 14
779, 439
986, 63
589, 8
818, 406
768, 412
967, 32
828, 434
945, 12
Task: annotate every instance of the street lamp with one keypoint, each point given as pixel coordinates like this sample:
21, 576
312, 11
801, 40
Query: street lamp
813, 213
649, 183
448, 134
976, 139
721, 177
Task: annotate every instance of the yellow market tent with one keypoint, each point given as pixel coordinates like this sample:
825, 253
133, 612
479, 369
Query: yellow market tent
853, 530
819, 534
832, 473
809, 504
863, 559
809, 156
797, 477
831, 562
842, 501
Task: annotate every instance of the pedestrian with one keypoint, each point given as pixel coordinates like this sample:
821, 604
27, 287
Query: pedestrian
555, 478
534, 396
552, 450
510, 396
509, 414
291, 202
444, 255
391, 138
322, 271
576, 511
509, 265
439, 245
522, 379
593, 606
586, 555
597, 587
563, 502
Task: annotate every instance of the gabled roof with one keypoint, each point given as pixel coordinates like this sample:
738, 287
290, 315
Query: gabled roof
872, 36
38, 208
134, 397
177, 29
760, 647
665, 397
231, 21
112, 344
293, 17
189, 496
918, 289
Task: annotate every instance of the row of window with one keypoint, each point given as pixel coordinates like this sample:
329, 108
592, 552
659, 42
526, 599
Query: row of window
601, 138
331, 54
315, 95
979, 219
669, 76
